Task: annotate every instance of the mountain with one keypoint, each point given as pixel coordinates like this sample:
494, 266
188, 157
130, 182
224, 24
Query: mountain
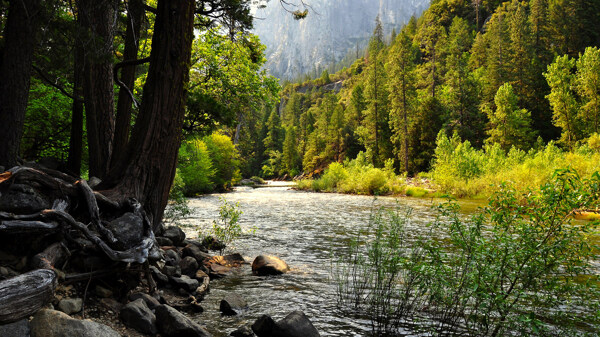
332, 29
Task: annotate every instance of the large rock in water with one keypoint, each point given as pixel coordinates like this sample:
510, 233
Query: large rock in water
127, 229
232, 304
172, 323
295, 324
269, 265
51, 323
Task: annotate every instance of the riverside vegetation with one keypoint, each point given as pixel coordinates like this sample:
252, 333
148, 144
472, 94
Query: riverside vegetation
518, 267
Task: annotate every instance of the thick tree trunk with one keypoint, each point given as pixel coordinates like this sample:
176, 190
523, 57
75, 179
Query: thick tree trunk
97, 18
132, 36
76, 140
147, 170
17, 54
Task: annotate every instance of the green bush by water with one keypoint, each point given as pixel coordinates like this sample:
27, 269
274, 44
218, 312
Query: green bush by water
518, 268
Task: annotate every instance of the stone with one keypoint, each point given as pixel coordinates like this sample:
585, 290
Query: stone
263, 326
242, 331
162, 241
220, 266
172, 323
175, 234
111, 304
233, 304
171, 258
195, 243
186, 283
269, 265
296, 324
51, 323
188, 266
70, 305
151, 302
211, 243
195, 252
103, 292
127, 229
172, 271
160, 278
137, 315
16, 329
22, 199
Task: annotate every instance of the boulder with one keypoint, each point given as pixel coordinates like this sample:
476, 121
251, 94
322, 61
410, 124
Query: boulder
138, 316
70, 305
51, 323
151, 302
186, 283
172, 323
242, 331
175, 234
195, 252
232, 304
128, 229
162, 241
22, 199
220, 266
269, 265
16, 329
172, 271
171, 258
195, 243
188, 266
161, 278
211, 243
296, 324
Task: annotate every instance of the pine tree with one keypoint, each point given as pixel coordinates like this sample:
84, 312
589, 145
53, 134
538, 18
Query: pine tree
275, 134
401, 67
588, 87
290, 160
509, 125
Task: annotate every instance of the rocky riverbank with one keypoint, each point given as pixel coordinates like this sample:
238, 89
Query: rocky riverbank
74, 263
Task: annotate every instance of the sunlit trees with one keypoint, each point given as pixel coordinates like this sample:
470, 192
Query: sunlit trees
509, 125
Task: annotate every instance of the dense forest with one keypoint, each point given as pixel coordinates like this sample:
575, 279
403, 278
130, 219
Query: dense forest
499, 75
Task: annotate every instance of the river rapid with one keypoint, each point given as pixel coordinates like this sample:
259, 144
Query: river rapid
304, 229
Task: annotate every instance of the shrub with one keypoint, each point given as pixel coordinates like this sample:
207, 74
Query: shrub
196, 168
225, 160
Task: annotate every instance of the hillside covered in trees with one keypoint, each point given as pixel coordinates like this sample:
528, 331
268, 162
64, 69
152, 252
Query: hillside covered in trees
502, 76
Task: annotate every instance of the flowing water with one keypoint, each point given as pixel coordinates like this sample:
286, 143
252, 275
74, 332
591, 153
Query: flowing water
304, 229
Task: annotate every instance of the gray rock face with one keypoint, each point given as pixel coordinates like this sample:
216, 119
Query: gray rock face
172, 323
16, 329
269, 265
51, 323
138, 316
70, 305
296, 324
332, 29
232, 304
128, 230
175, 234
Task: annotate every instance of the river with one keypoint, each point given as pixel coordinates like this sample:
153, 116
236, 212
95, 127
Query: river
304, 229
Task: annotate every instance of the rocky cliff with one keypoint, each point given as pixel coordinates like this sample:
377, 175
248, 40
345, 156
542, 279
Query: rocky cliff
332, 29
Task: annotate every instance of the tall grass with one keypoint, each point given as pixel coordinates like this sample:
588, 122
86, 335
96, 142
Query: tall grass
463, 171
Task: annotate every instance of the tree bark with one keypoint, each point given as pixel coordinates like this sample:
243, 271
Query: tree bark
132, 36
76, 139
15, 68
97, 19
148, 169
22, 296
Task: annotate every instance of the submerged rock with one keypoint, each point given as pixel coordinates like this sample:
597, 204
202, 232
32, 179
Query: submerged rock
232, 304
296, 324
269, 265
242, 331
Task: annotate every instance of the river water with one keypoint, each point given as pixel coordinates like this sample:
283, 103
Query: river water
304, 229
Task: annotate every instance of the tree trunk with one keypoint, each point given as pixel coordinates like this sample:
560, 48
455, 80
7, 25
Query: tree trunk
76, 140
15, 68
97, 19
148, 169
132, 36
22, 296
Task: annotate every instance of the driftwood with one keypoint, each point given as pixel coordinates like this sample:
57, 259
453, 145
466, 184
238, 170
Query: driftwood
25, 294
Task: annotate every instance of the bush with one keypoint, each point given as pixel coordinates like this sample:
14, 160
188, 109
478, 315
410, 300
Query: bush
225, 160
504, 271
196, 168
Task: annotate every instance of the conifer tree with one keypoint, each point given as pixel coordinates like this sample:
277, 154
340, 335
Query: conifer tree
562, 99
290, 160
588, 87
509, 125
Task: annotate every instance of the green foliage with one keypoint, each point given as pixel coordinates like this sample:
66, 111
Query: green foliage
225, 160
227, 228
178, 207
196, 168
501, 272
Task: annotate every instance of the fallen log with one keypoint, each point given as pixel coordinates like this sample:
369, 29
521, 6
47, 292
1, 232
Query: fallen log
23, 295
